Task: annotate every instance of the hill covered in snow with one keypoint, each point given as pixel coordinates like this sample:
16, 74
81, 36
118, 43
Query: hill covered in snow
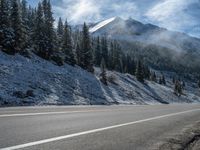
35, 81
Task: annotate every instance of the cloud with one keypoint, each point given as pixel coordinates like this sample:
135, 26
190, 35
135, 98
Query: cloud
84, 10
173, 14
125, 10
166, 9
78, 11
180, 15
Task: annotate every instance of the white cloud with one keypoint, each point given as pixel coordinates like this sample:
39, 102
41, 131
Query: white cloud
125, 9
166, 9
84, 10
171, 14
180, 15
78, 11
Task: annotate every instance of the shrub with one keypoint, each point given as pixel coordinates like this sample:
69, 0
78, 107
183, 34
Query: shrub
58, 60
22, 95
30, 93
19, 94
112, 79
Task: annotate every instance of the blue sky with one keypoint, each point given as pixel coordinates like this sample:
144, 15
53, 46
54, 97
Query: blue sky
179, 15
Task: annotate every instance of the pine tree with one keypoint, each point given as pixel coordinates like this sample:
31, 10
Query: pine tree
24, 12
31, 18
60, 32
163, 80
6, 33
86, 50
117, 57
133, 67
129, 67
139, 72
104, 49
103, 76
124, 63
16, 24
147, 73
60, 28
45, 9
49, 35
76, 36
160, 80
121, 69
4, 13
25, 27
78, 54
98, 55
153, 77
111, 56
178, 90
114, 56
31, 15
67, 46
38, 32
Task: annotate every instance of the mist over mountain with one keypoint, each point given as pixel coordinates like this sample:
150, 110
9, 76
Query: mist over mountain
132, 30
160, 47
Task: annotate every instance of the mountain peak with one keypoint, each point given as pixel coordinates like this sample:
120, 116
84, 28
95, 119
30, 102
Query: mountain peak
118, 18
103, 23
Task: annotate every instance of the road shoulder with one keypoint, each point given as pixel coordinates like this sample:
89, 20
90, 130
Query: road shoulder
188, 139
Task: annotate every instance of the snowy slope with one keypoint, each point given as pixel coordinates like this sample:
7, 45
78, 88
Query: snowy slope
66, 85
101, 24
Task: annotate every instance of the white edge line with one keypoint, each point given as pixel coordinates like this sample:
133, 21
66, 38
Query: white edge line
54, 113
91, 131
46, 113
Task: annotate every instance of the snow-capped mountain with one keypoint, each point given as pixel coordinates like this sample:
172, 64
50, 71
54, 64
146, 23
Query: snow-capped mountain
101, 24
131, 30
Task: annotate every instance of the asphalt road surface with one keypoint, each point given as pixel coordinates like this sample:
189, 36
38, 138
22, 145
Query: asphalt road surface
92, 128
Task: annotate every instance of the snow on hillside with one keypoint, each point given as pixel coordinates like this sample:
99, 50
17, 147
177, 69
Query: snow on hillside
101, 24
48, 84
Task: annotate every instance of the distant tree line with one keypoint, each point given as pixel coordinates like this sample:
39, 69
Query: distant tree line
163, 58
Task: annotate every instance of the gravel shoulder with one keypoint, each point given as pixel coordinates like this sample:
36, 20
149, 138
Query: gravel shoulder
188, 139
